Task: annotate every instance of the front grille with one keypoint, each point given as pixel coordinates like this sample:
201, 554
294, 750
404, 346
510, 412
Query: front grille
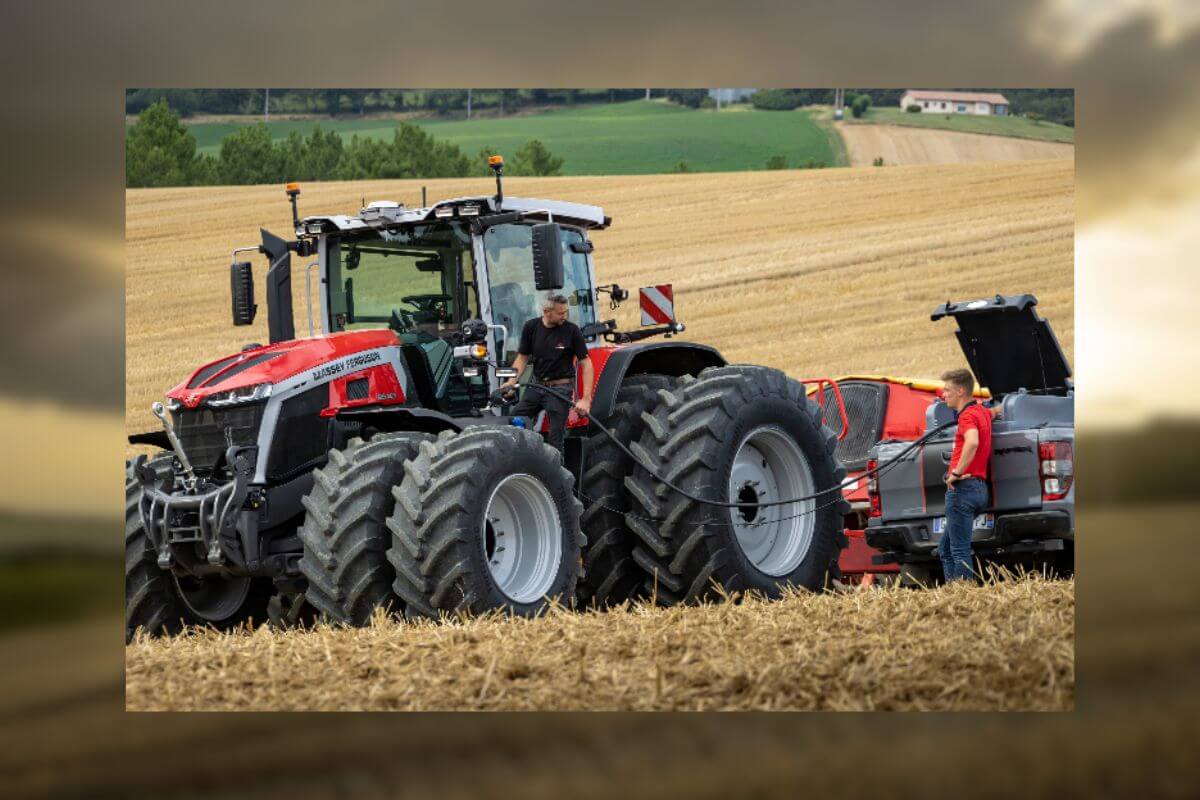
865, 407
203, 431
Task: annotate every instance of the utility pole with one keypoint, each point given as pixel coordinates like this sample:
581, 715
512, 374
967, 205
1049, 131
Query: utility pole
267, 107
647, 94
468, 103
718, 93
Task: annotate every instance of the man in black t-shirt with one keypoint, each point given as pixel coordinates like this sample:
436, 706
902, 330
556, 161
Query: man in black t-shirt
554, 344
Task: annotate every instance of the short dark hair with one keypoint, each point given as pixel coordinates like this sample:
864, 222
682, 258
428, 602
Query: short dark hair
962, 378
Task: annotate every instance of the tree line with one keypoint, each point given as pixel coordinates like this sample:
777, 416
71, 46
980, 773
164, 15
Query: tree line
347, 102
161, 151
1054, 105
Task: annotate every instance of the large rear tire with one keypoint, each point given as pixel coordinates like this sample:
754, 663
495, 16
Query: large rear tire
735, 433
162, 602
345, 533
610, 575
485, 519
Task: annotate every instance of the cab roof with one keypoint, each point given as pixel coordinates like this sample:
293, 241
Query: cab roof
391, 213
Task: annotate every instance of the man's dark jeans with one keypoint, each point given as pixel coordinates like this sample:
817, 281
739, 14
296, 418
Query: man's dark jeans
535, 399
964, 502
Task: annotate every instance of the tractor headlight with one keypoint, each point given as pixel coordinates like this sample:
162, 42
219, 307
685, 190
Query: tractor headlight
247, 394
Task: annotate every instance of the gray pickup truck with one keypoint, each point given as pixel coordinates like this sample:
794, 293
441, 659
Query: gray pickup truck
1031, 519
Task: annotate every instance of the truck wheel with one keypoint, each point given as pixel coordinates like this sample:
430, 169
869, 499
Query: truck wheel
161, 601
345, 533
485, 519
609, 575
745, 433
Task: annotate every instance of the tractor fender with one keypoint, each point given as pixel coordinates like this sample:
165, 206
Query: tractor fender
659, 358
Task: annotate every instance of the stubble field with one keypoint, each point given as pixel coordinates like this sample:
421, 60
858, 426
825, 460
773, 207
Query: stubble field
815, 272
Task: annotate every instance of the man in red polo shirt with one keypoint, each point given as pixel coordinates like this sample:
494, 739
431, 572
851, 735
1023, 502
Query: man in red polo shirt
966, 480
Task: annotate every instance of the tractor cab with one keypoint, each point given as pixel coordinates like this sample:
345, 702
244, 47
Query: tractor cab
462, 272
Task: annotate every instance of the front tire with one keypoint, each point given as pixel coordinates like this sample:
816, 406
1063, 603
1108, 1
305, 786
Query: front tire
159, 601
485, 519
345, 533
736, 433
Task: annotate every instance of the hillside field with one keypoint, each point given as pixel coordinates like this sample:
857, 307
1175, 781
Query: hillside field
901, 144
622, 138
1018, 127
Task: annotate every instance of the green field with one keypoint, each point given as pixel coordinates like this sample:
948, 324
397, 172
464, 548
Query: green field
638, 137
1018, 127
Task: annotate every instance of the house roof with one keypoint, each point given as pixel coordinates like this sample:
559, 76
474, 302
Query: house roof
959, 97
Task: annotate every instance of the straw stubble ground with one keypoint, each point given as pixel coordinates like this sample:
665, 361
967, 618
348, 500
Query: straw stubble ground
817, 272
1005, 646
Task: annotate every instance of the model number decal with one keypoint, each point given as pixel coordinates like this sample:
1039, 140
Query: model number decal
353, 362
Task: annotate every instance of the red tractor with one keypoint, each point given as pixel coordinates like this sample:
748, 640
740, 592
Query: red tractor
372, 464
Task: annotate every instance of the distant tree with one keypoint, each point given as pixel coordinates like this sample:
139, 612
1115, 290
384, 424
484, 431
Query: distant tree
412, 153
333, 99
692, 98
161, 151
913, 108
860, 104
878, 162
361, 158
535, 159
682, 166
708, 103
775, 99
777, 162
249, 156
311, 158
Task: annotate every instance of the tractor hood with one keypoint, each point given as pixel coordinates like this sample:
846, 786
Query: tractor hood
1008, 346
275, 363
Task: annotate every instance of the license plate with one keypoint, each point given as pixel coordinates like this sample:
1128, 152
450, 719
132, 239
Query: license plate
982, 522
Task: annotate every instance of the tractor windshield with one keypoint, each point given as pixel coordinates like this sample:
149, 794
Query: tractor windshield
414, 280
509, 252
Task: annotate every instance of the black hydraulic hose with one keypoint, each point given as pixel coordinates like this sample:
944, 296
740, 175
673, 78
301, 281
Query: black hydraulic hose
879, 468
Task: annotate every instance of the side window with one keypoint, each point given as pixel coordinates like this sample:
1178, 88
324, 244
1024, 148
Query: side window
509, 253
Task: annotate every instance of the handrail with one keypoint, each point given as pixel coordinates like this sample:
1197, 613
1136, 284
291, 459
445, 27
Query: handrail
837, 393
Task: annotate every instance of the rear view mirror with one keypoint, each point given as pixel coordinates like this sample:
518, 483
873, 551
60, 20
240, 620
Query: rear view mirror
241, 288
547, 257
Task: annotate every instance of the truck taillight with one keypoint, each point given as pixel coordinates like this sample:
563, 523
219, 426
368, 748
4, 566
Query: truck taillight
873, 489
1056, 468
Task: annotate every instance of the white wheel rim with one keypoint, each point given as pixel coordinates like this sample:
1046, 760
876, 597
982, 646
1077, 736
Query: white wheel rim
522, 538
767, 467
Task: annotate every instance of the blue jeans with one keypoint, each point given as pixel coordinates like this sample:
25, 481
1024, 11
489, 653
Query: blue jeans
964, 502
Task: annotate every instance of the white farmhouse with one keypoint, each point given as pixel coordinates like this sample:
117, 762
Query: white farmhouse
943, 102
